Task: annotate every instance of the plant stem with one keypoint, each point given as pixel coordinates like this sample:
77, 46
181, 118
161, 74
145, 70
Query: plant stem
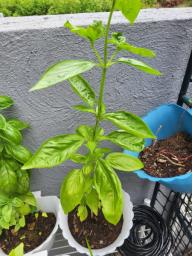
104, 68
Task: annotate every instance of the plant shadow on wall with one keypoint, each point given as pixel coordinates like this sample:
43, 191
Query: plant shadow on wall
94, 192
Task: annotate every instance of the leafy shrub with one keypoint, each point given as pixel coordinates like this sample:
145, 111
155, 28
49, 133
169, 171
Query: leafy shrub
16, 200
43, 7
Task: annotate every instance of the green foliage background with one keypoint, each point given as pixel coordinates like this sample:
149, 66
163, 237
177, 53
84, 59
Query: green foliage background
43, 7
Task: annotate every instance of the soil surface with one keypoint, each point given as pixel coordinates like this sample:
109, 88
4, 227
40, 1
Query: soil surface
170, 157
95, 229
36, 231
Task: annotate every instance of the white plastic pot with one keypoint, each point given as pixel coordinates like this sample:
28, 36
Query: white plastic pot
45, 204
127, 225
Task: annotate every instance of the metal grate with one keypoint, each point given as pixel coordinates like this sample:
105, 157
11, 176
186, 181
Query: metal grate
176, 208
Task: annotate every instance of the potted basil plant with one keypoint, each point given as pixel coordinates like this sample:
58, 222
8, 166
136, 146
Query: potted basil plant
18, 205
94, 204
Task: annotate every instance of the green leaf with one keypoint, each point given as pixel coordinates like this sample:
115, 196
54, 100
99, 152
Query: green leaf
129, 8
25, 209
140, 66
55, 151
23, 181
82, 88
108, 187
18, 124
17, 202
82, 212
93, 32
2, 122
130, 123
6, 212
88, 168
5, 102
72, 190
120, 41
22, 222
28, 198
18, 251
78, 158
4, 199
92, 201
62, 71
11, 134
4, 224
18, 152
83, 108
123, 162
126, 140
8, 177
86, 132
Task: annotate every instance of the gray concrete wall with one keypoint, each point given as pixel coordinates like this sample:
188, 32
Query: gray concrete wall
28, 45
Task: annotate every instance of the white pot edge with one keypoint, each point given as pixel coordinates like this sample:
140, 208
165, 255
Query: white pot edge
46, 204
127, 225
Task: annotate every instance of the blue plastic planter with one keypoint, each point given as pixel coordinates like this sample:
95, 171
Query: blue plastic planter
173, 119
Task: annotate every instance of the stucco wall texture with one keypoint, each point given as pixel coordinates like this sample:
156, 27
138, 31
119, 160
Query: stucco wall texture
28, 45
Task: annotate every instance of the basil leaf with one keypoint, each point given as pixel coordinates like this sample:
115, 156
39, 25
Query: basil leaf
123, 162
140, 66
82, 88
130, 123
28, 198
4, 199
108, 187
120, 41
86, 132
55, 151
6, 212
18, 124
129, 8
2, 122
82, 212
93, 32
72, 190
126, 140
11, 134
23, 181
5, 102
18, 251
83, 108
16, 202
62, 71
92, 201
8, 177
18, 152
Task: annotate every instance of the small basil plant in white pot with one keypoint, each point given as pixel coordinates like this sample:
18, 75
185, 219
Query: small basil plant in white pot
94, 204
21, 211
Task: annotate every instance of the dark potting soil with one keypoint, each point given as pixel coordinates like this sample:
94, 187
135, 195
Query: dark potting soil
35, 232
95, 229
170, 157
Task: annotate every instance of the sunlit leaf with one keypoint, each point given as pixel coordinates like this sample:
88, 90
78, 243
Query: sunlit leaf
140, 66
62, 71
72, 190
82, 88
130, 123
129, 8
55, 151
123, 162
108, 187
